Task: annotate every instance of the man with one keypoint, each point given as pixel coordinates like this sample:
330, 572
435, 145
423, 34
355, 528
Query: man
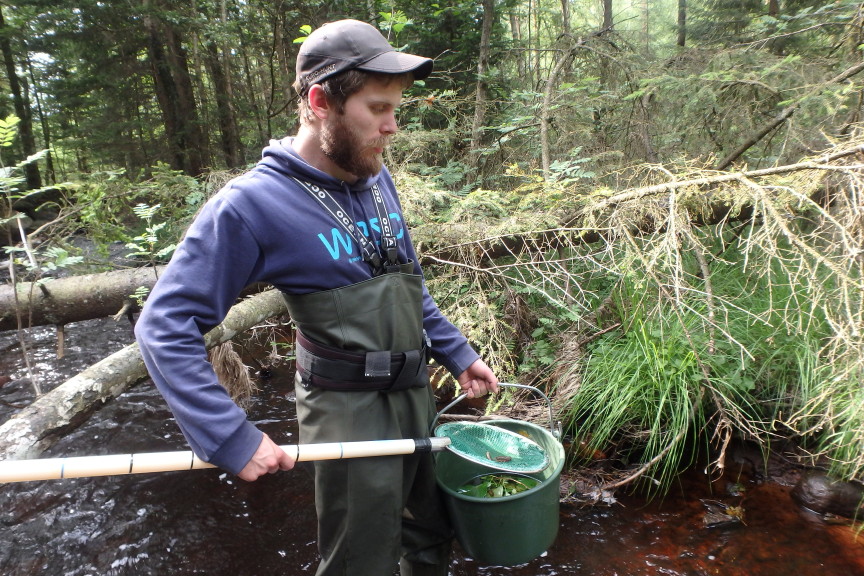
319, 218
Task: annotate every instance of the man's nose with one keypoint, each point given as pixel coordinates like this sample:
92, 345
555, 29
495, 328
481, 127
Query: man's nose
390, 126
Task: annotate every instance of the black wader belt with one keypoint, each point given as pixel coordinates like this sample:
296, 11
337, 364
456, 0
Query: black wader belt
334, 369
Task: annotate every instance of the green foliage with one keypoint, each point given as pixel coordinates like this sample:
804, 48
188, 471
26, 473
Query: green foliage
37, 263
836, 412
542, 351
103, 205
178, 194
452, 176
644, 384
497, 486
140, 295
106, 202
651, 389
305, 30
567, 171
149, 243
55, 258
12, 178
8, 130
394, 21
118, 120
40, 263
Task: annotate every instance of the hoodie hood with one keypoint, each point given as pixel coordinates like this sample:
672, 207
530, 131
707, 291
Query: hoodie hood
281, 156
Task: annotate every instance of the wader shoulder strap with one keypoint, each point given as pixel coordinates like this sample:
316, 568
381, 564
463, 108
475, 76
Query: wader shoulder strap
367, 248
388, 239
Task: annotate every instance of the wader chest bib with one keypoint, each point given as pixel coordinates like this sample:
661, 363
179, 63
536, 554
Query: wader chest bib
368, 335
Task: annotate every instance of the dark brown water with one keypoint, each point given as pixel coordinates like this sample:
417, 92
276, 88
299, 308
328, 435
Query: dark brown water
207, 522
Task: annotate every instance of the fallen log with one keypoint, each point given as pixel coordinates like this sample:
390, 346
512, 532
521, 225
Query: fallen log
482, 252
72, 299
38, 427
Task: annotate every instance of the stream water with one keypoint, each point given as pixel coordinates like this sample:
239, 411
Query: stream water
207, 522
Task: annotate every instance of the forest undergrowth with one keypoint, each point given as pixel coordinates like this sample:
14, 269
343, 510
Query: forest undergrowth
670, 318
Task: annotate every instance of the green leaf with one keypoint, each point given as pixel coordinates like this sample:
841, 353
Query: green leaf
306, 29
8, 130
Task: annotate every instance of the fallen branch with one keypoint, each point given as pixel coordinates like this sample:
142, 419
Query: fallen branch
72, 299
784, 115
822, 163
484, 251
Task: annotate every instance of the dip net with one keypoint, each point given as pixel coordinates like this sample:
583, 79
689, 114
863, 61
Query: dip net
494, 447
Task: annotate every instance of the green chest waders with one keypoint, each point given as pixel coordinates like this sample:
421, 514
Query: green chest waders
361, 375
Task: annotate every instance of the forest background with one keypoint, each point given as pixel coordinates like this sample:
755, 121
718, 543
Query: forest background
651, 210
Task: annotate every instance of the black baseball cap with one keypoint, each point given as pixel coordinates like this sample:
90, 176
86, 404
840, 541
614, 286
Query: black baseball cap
352, 45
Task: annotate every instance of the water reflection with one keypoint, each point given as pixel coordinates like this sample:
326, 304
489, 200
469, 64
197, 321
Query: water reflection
209, 523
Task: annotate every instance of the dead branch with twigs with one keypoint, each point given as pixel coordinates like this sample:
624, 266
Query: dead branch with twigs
795, 229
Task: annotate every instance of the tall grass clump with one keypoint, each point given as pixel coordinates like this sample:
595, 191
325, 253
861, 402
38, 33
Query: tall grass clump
641, 392
673, 378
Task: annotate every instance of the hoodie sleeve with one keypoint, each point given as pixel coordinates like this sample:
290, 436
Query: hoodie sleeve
449, 347
209, 269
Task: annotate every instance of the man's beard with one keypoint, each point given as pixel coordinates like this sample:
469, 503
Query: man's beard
345, 147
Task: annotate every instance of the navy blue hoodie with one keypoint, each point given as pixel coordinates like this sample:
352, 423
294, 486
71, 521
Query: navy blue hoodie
262, 227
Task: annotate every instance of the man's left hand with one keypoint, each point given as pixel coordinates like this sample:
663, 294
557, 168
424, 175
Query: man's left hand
478, 379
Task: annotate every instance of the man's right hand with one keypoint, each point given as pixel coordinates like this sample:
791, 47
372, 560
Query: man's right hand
268, 459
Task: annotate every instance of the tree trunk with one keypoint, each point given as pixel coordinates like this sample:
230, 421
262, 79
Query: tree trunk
251, 91
50, 175
191, 136
175, 96
22, 107
39, 426
516, 31
227, 69
230, 137
72, 299
646, 27
607, 15
565, 16
281, 45
482, 69
545, 112
682, 23
166, 91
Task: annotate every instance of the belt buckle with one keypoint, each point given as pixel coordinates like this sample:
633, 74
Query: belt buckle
377, 364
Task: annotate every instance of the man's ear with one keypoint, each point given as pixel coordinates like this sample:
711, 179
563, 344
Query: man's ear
318, 103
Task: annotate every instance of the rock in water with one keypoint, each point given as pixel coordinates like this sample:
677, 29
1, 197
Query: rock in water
822, 494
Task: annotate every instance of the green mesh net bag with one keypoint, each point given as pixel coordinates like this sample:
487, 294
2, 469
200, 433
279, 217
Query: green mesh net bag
494, 447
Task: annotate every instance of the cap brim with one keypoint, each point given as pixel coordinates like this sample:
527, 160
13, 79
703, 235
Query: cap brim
399, 63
